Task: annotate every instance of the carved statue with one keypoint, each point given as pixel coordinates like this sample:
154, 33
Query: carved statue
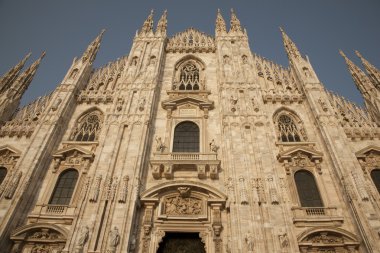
159, 144
113, 239
228, 73
284, 240
213, 146
142, 104
83, 236
149, 75
233, 100
249, 241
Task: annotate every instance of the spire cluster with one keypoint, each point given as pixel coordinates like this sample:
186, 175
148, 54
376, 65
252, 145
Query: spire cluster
235, 26
147, 27
368, 85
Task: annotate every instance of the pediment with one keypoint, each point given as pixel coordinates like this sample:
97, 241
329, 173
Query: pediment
73, 150
10, 150
40, 232
297, 151
367, 151
173, 103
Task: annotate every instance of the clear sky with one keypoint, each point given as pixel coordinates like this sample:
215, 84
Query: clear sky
64, 28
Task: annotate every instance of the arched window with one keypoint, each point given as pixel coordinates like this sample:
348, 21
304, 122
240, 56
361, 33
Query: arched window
189, 77
307, 189
3, 174
186, 137
64, 187
88, 127
288, 130
375, 175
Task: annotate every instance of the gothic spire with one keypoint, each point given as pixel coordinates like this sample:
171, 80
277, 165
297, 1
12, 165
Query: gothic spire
148, 24
373, 72
360, 78
235, 23
290, 46
91, 51
162, 24
220, 24
7, 79
25, 78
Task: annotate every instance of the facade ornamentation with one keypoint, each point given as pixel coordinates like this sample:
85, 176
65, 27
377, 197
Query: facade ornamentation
190, 137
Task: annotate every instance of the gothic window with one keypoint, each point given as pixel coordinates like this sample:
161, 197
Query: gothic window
88, 127
375, 175
307, 189
3, 173
189, 77
64, 187
186, 137
288, 130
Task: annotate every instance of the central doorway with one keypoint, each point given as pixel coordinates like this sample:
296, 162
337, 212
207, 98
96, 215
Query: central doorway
176, 242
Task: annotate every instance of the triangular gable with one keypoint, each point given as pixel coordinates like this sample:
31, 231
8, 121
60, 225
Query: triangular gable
365, 151
71, 149
187, 99
288, 154
14, 152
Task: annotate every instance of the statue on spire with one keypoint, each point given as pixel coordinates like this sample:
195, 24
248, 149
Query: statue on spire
162, 24
7, 79
92, 49
373, 72
220, 24
290, 46
148, 24
235, 23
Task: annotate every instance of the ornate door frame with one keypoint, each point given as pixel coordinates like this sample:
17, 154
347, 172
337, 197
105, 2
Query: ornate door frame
182, 206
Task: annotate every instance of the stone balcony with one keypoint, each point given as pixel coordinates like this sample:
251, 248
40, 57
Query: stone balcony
166, 164
316, 216
63, 214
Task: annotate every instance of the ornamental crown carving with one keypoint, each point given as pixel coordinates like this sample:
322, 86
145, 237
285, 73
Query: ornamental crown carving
369, 157
8, 155
191, 40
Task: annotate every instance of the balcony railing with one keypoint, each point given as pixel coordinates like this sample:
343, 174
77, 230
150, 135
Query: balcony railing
186, 156
317, 215
56, 209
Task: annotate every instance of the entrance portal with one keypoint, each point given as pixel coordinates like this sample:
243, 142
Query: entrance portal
176, 242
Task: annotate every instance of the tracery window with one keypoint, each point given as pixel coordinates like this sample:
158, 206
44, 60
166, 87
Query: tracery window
186, 137
64, 187
307, 189
88, 127
3, 174
288, 130
189, 77
375, 175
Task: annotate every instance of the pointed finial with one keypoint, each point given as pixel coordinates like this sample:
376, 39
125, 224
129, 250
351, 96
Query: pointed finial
162, 24
373, 72
148, 24
220, 24
235, 22
290, 47
11, 75
92, 49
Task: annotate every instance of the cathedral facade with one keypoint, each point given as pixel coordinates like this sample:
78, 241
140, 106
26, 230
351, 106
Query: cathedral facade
191, 143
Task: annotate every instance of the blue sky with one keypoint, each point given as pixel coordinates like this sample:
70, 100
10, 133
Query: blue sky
65, 28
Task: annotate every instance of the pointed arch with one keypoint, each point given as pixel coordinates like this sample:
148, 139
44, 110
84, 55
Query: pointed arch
289, 126
88, 126
189, 73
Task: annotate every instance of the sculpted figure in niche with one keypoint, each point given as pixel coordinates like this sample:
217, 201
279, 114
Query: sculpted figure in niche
228, 74
284, 241
213, 146
132, 69
159, 144
249, 242
149, 76
246, 68
83, 236
113, 239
